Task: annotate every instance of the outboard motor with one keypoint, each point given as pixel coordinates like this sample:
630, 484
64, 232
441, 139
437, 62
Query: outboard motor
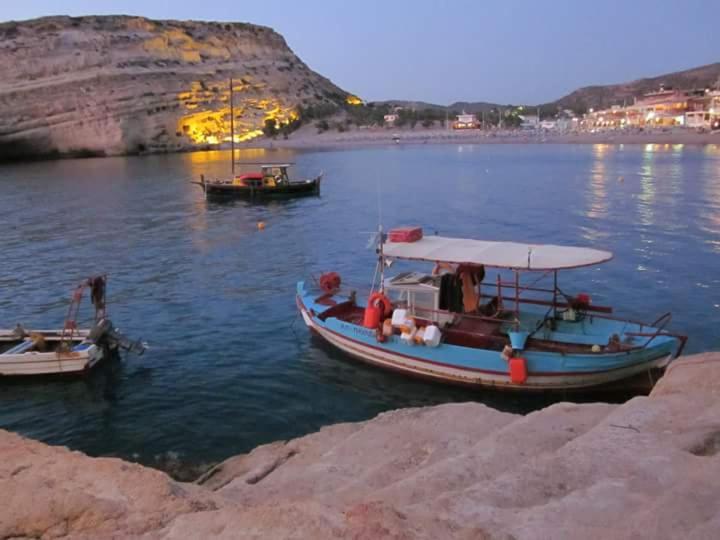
105, 334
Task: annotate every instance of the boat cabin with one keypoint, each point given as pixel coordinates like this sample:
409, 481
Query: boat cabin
269, 176
451, 255
420, 293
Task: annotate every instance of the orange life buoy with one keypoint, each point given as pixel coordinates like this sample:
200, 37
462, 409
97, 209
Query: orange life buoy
330, 282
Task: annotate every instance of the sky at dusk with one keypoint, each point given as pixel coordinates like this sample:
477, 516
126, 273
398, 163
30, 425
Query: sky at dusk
445, 51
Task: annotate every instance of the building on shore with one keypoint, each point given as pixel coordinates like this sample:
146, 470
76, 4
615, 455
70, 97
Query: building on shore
695, 109
529, 121
390, 119
466, 121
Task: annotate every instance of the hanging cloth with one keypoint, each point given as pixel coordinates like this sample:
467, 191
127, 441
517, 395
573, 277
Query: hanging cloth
469, 292
445, 291
456, 294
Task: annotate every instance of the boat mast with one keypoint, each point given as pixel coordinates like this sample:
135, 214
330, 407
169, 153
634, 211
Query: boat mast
232, 130
381, 288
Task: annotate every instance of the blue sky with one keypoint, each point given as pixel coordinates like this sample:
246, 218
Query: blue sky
512, 51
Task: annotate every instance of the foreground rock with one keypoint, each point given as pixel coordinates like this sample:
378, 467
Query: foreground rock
647, 469
116, 84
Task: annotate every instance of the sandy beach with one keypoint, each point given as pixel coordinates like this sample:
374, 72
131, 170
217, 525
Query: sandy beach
308, 137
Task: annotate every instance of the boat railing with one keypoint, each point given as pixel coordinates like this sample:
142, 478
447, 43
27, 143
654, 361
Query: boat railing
511, 317
501, 285
660, 324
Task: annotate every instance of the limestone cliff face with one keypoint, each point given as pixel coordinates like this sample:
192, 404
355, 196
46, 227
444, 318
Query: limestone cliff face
647, 469
117, 84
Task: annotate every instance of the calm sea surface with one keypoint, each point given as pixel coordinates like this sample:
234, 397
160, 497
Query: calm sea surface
229, 366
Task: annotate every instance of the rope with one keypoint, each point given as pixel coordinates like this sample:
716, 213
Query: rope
372, 287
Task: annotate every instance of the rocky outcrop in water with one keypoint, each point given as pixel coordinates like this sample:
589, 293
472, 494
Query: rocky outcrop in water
647, 469
117, 84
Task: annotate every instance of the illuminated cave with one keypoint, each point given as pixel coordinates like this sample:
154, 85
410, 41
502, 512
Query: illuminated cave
208, 108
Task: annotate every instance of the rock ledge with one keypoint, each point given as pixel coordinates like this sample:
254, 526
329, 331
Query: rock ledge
649, 468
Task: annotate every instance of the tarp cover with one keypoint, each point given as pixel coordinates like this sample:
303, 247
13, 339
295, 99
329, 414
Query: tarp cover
496, 254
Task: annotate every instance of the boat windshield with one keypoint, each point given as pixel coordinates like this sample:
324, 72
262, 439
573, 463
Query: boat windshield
278, 173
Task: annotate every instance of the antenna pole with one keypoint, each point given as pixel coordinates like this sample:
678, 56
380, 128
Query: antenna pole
381, 288
382, 260
232, 130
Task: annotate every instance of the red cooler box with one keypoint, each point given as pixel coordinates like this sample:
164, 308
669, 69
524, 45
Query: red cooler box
405, 234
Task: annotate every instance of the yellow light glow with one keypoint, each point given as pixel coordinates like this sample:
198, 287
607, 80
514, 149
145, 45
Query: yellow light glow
353, 100
209, 121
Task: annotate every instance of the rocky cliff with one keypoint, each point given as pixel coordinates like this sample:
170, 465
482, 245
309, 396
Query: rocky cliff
116, 84
647, 469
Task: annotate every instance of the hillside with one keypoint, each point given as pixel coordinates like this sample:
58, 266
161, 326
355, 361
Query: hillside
600, 97
103, 85
467, 106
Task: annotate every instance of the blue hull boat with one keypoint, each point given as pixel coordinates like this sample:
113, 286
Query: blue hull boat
531, 339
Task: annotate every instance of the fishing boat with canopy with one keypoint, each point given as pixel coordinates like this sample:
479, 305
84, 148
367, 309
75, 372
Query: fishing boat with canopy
455, 324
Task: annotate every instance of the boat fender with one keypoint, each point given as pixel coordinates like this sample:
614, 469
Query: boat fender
382, 301
371, 318
378, 308
518, 370
330, 282
506, 353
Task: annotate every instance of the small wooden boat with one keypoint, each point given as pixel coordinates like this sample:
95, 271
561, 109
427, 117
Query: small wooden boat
451, 325
272, 181
67, 350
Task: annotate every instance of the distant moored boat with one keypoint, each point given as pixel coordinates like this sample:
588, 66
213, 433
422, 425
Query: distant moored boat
271, 181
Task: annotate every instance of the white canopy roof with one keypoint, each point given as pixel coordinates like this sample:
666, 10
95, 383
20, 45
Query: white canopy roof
496, 254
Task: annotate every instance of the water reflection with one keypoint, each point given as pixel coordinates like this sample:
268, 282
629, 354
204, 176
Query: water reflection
646, 198
710, 212
598, 183
214, 295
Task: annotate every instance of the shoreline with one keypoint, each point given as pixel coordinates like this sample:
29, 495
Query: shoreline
307, 138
